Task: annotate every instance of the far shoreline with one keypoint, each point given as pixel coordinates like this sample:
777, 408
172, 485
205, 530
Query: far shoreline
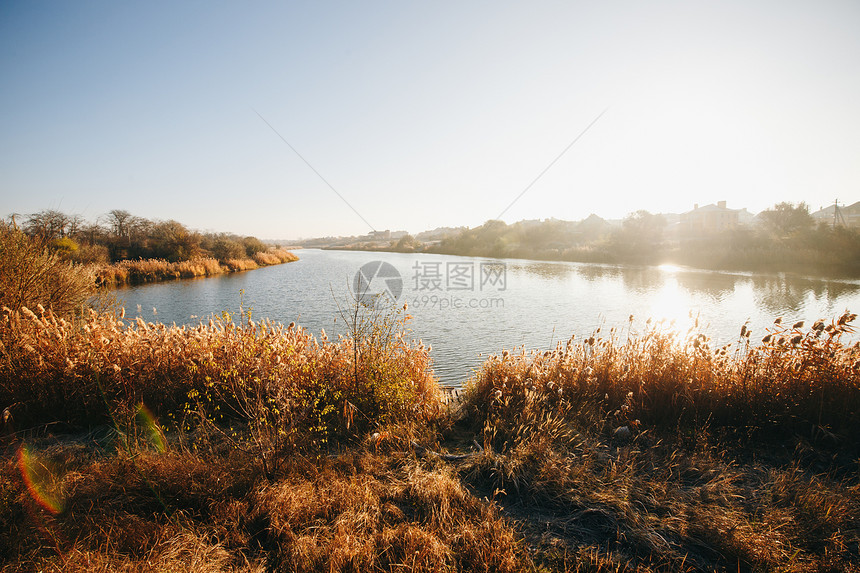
797, 269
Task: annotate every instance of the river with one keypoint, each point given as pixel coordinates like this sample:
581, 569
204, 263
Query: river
469, 307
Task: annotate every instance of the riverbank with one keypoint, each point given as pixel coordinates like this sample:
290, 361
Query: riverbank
254, 446
645, 239
832, 264
132, 272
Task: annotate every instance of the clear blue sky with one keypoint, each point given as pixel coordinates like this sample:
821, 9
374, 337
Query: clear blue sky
424, 114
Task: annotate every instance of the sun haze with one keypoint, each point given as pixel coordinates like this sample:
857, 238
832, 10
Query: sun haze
407, 116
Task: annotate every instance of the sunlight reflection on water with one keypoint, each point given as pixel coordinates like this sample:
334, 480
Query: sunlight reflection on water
541, 304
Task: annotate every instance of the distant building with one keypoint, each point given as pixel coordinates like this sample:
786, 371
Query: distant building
710, 218
745, 218
379, 235
843, 216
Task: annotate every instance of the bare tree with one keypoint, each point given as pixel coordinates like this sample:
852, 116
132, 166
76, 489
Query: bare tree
76, 222
91, 233
118, 220
48, 224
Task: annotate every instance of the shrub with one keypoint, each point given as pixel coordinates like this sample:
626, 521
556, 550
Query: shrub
65, 246
225, 249
90, 255
33, 274
253, 245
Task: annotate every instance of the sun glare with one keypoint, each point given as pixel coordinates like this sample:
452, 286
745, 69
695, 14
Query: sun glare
668, 308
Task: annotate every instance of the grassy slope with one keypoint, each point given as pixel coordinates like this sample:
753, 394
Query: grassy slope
274, 451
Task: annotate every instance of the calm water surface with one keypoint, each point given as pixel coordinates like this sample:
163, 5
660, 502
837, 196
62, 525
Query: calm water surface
468, 307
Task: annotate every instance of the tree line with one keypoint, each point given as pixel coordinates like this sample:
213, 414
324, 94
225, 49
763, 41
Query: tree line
785, 237
118, 235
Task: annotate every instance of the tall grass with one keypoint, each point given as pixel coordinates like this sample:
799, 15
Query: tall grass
240, 482
793, 380
274, 257
659, 452
154, 270
260, 447
282, 384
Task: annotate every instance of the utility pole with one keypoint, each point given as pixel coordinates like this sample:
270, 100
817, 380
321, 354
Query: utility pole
837, 215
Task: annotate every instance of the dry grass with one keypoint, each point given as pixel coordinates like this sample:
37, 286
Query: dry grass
179, 511
262, 448
279, 383
239, 265
659, 505
794, 380
670, 455
274, 257
140, 512
154, 270
195, 480
370, 515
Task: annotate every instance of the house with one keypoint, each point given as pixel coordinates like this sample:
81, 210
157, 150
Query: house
839, 217
379, 235
710, 218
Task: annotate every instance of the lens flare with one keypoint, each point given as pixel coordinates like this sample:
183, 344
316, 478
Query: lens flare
42, 481
150, 429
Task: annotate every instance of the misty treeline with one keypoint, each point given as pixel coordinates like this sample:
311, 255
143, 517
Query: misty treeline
119, 235
785, 237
